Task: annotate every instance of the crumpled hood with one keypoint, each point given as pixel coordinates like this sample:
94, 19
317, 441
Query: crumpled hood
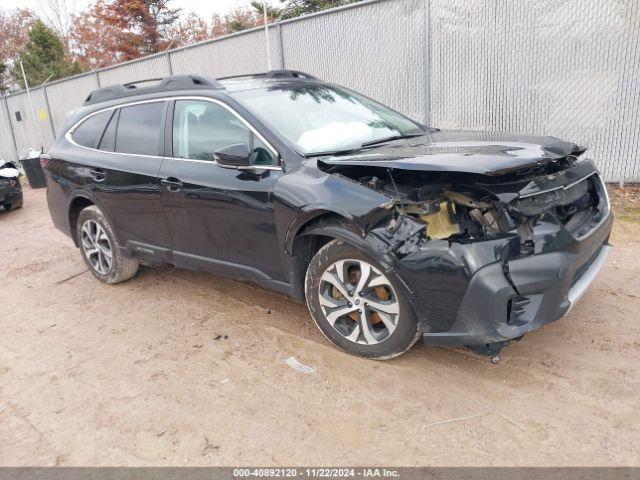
484, 153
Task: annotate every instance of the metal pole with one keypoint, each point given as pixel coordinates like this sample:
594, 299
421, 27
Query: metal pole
427, 68
13, 135
46, 101
281, 43
266, 33
33, 111
169, 63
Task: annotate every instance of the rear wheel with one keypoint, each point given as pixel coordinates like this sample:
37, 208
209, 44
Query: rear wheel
99, 248
357, 306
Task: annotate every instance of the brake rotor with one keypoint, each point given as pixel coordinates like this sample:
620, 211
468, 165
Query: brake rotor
380, 292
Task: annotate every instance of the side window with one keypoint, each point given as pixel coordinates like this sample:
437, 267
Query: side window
89, 132
108, 141
139, 128
262, 155
200, 128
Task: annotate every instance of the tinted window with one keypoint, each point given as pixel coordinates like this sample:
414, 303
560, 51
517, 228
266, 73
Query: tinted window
139, 129
108, 141
89, 132
200, 128
262, 155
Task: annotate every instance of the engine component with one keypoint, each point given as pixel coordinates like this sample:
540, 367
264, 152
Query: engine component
440, 224
465, 200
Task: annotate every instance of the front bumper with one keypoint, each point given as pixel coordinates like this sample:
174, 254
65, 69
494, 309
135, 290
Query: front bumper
501, 305
10, 195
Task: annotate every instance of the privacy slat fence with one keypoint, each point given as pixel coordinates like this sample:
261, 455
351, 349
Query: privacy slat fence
568, 68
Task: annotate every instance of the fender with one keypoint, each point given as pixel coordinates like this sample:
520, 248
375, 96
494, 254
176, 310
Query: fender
369, 247
300, 223
86, 194
308, 193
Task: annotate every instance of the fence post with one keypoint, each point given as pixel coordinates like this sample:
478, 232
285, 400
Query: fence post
46, 102
281, 45
426, 52
13, 135
98, 79
169, 63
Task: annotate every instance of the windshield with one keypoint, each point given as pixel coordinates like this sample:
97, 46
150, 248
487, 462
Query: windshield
320, 119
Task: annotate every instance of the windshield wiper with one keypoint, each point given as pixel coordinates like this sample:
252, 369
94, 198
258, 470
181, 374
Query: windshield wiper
372, 143
389, 139
332, 152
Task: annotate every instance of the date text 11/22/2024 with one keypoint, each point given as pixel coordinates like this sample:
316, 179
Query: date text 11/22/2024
316, 472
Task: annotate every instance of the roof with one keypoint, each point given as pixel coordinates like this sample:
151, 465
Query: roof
196, 82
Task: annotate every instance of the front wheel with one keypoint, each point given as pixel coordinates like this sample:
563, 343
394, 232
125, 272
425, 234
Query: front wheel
356, 306
99, 249
13, 206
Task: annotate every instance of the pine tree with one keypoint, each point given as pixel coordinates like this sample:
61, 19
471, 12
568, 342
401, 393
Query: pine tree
296, 8
43, 58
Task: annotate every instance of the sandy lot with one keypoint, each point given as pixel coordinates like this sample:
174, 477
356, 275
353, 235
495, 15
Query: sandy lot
183, 368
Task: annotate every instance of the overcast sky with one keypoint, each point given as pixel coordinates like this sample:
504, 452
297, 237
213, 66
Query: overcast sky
204, 8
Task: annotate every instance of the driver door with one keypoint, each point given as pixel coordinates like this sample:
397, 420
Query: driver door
219, 218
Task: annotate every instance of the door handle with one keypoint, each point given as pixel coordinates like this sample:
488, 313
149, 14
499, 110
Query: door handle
172, 184
97, 174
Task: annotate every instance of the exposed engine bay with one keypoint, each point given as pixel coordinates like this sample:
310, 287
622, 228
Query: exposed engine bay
466, 208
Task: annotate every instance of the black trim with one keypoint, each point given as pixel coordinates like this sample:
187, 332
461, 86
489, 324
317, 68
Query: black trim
170, 83
190, 261
273, 74
228, 269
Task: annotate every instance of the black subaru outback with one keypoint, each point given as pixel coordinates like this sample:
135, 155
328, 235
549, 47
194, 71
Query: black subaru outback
389, 229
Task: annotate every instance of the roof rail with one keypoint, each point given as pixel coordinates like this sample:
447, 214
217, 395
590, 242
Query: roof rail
174, 82
279, 74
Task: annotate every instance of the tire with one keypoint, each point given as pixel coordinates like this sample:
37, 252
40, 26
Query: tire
374, 322
96, 239
13, 206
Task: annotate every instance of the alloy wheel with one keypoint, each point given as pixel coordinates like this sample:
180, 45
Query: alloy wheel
96, 247
359, 301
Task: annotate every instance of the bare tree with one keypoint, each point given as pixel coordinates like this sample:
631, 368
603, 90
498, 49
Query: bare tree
58, 15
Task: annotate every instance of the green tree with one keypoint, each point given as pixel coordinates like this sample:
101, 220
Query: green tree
43, 58
273, 13
296, 8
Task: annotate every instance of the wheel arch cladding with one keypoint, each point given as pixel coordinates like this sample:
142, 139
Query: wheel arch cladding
78, 204
305, 242
319, 231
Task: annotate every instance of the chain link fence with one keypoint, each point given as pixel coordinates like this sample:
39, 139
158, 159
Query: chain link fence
567, 68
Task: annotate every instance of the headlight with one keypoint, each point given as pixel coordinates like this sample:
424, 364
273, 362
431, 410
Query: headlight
583, 156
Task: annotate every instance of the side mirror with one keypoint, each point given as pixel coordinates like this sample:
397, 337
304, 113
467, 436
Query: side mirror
233, 156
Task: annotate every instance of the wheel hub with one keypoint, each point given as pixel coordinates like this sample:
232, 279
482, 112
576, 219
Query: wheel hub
359, 301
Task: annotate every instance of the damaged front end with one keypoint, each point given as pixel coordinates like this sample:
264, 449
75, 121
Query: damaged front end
10, 188
486, 259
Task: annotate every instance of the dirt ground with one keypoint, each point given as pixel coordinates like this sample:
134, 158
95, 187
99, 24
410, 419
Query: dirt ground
183, 368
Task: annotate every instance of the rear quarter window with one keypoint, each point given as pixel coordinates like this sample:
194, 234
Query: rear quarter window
139, 129
108, 142
89, 132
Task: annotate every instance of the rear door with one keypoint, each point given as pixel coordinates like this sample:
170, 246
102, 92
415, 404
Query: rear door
219, 216
125, 180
